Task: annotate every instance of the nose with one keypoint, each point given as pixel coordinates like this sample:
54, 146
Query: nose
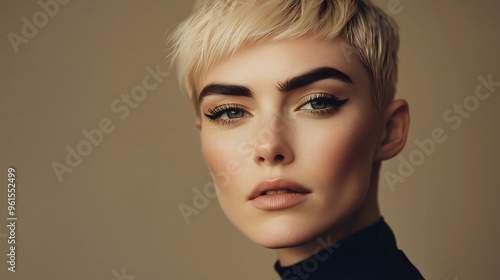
273, 144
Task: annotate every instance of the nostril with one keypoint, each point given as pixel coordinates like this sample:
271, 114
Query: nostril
279, 157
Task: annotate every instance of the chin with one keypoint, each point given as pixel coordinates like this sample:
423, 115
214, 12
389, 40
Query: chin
277, 235
279, 242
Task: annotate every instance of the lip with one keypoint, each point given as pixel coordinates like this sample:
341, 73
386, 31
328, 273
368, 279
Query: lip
277, 201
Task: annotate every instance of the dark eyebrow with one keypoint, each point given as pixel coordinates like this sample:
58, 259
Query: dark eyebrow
289, 85
224, 89
313, 76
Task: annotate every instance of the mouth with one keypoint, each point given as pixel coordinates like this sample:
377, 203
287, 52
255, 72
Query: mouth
277, 194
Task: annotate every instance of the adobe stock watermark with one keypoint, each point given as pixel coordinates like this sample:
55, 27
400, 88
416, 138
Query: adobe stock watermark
121, 276
200, 201
454, 117
122, 108
30, 27
201, 197
395, 7
304, 269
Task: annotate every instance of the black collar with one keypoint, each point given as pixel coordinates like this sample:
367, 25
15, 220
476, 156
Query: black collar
371, 253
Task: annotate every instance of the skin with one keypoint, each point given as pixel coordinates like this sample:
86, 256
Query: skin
275, 134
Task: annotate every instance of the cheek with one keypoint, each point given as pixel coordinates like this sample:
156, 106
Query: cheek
342, 152
225, 155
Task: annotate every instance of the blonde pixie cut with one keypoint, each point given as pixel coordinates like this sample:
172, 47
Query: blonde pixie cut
216, 29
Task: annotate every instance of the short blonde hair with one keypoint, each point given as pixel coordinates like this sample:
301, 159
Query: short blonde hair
216, 29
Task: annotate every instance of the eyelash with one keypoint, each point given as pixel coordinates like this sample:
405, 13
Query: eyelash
218, 111
332, 101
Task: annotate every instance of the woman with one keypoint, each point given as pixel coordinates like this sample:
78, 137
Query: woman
295, 108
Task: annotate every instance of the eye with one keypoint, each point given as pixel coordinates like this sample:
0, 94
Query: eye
233, 114
227, 113
316, 104
322, 104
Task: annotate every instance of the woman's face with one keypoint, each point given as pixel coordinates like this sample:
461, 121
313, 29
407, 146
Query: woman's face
289, 133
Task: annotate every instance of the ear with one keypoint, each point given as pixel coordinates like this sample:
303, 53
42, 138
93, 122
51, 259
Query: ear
395, 123
198, 123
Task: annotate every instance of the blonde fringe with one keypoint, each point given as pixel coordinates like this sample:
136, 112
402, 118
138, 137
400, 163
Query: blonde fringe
218, 28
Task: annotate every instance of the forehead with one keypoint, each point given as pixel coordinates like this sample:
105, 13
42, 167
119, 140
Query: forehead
270, 62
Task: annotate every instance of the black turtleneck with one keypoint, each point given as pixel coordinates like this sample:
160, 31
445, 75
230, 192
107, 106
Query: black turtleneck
370, 254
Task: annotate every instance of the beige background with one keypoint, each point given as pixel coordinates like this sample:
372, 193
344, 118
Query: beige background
118, 209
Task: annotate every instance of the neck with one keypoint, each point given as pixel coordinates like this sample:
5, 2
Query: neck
368, 214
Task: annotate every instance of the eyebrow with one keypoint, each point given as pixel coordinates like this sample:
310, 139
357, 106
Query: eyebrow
312, 76
224, 89
293, 83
